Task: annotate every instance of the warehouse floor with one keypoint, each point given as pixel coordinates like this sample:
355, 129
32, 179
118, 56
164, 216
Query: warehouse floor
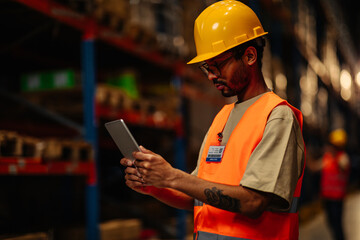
317, 228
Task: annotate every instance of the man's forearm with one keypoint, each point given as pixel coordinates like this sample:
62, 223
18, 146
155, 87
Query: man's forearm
156, 171
173, 198
231, 198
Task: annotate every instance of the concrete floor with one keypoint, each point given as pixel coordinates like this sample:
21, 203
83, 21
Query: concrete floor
317, 229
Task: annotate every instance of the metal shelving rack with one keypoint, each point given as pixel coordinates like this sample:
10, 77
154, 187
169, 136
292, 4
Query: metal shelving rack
92, 32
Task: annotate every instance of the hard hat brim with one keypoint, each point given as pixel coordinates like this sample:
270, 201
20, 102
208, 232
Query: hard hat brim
210, 55
203, 57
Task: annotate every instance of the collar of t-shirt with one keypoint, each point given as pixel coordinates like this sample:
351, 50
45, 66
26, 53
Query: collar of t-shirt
235, 115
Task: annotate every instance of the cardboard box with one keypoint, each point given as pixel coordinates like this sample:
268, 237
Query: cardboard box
31, 236
125, 229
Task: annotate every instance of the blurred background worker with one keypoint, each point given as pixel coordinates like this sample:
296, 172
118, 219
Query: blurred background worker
248, 180
334, 177
334, 166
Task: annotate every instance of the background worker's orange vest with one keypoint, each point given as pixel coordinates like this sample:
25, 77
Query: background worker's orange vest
333, 179
214, 223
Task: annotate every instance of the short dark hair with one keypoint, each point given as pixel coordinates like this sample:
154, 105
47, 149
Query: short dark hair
257, 43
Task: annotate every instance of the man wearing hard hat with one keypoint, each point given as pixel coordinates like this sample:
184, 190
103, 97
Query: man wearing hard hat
335, 170
248, 179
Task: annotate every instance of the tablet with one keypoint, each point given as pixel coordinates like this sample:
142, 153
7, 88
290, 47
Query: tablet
123, 138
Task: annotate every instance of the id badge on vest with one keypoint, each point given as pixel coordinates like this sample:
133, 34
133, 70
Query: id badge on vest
215, 153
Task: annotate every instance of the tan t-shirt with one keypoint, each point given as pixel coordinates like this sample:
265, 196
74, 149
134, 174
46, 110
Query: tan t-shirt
276, 163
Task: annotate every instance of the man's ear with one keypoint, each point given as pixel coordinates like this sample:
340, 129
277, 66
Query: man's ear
250, 55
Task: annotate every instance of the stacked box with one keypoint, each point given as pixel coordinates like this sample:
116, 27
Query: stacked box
67, 150
113, 97
77, 151
32, 147
127, 82
14, 145
30, 236
112, 13
10, 144
128, 229
50, 150
159, 108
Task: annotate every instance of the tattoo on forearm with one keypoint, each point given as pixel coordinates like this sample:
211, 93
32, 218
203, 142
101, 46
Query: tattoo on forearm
216, 198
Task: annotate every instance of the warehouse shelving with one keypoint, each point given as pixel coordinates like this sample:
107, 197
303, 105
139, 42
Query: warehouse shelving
91, 29
85, 33
29, 166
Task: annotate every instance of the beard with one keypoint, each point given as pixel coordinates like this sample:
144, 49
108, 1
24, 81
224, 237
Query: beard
238, 84
228, 91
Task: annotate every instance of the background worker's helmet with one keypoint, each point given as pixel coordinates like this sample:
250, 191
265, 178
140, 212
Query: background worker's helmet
338, 137
224, 25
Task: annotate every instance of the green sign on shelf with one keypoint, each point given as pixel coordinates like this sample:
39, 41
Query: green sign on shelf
48, 80
127, 82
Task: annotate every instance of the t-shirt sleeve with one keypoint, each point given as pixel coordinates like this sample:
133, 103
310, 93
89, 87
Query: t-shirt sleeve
276, 163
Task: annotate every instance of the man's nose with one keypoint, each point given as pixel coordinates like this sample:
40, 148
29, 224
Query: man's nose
212, 76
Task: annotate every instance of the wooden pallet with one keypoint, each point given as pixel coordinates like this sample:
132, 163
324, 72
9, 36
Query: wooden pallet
113, 97
14, 145
10, 143
67, 150
127, 229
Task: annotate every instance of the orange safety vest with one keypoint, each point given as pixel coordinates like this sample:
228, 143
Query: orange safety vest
333, 179
214, 223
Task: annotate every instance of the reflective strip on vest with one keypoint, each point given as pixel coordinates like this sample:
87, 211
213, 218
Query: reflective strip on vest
293, 207
198, 203
212, 236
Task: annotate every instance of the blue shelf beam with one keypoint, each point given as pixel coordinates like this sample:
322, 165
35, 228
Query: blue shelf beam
90, 133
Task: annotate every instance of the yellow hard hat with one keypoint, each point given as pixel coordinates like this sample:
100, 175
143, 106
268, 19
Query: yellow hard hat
224, 25
338, 137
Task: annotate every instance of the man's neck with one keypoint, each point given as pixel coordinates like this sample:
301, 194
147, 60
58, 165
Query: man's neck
256, 87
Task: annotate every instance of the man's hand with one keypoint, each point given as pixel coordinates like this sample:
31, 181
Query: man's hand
154, 169
149, 169
133, 177
152, 176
